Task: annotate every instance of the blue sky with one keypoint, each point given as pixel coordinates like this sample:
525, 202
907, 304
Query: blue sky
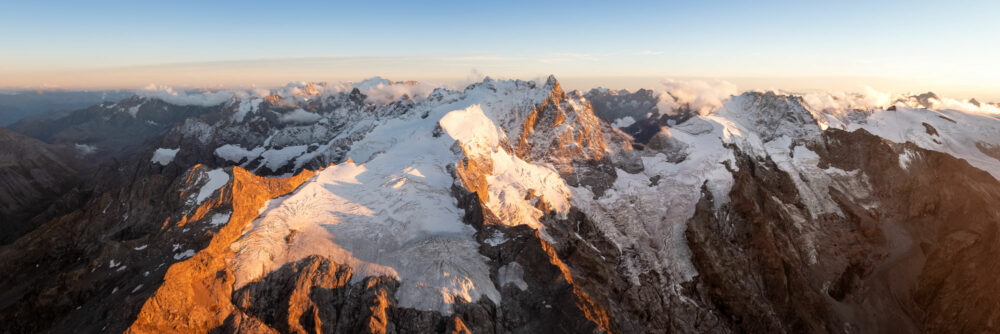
950, 46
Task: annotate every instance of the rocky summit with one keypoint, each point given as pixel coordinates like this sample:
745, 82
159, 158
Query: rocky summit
506, 206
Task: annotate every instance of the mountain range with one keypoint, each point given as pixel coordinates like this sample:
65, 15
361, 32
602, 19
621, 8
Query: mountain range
506, 206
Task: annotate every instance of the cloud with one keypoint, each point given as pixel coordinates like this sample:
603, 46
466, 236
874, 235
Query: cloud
475, 76
300, 116
198, 98
834, 101
700, 95
705, 96
870, 99
380, 90
966, 106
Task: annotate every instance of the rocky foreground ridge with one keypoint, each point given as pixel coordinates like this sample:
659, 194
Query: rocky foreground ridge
515, 206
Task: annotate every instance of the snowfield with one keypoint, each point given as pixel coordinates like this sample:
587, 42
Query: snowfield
389, 209
164, 156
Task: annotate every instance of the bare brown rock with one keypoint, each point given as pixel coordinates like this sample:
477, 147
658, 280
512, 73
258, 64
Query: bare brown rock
195, 296
894, 268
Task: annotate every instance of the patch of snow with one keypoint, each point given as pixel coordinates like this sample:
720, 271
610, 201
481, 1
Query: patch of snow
512, 273
471, 127
85, 149
275, 158
112, 263
141, 247
496, 239
235, 153
802, 166
219, 219
623, 122
247, 106
134, 110
183, 255
511, 182
216, 179
137, 288
195, 128
164, 156
906, 157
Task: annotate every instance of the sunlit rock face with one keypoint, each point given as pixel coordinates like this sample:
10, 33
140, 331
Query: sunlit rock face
515, 206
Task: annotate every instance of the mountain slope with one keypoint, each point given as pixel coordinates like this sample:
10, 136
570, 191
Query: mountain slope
33, 175
111, 129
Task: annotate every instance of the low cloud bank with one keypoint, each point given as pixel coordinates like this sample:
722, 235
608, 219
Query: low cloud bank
184, 98
706, 96
871, 99
381, 90
699, 95
300, 116
376, 89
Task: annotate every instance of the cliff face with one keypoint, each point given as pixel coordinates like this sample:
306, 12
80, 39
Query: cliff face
510, 206
868, 269
195, 293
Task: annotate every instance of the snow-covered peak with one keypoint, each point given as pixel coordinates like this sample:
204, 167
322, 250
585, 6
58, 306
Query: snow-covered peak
372, 82
768, 116
387, 209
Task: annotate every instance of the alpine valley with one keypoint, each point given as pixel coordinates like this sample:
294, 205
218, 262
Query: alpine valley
506, 206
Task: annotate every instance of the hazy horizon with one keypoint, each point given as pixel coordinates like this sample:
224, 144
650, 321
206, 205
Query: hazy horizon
892, 46
782, 84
